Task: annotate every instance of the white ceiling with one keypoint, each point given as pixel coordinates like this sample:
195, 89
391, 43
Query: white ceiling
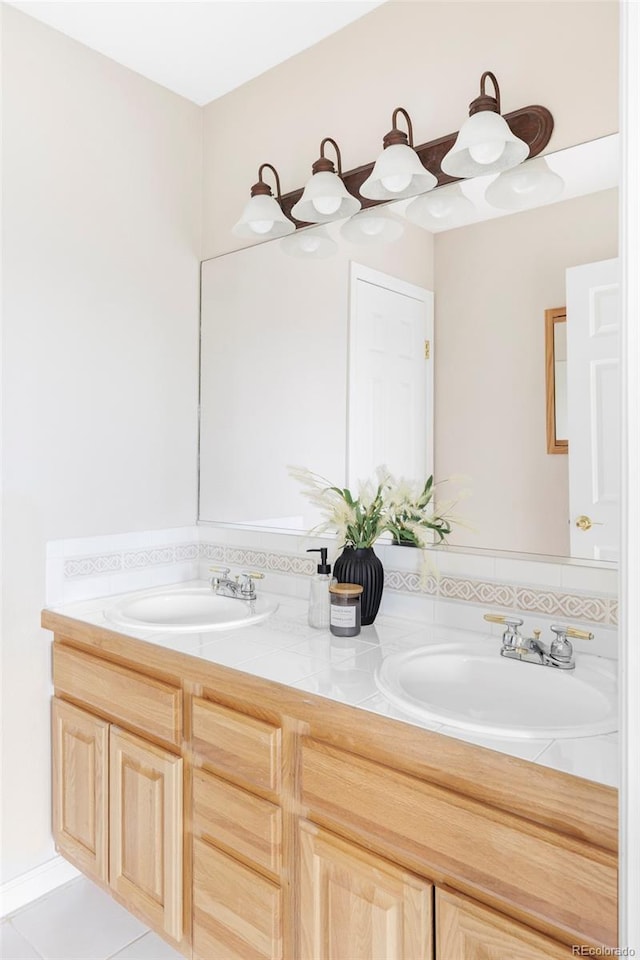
200, 49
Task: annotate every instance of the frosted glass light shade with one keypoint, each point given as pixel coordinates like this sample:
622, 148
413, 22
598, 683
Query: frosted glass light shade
372, 226
397, 173
263, 219
531, 184
325, 198
485, 144
445, 207
311, 244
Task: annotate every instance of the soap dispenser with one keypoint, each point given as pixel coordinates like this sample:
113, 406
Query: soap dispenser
319, 599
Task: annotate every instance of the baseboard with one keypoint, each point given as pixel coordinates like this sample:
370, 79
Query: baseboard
35, 883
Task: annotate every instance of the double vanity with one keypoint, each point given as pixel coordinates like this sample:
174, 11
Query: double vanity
230, 776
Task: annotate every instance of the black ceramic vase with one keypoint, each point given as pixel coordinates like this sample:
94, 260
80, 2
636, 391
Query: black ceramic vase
361, 565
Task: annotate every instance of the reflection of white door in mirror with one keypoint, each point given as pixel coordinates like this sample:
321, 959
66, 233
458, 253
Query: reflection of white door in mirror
593, 375
390, 377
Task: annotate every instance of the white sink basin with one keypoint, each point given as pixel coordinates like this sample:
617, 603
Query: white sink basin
188, 609
471, 687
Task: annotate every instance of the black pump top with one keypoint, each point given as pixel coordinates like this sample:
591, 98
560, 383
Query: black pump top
323, 566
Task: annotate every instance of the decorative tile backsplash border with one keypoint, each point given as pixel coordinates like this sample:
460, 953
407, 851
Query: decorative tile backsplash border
95, 566
498, 594
101, 564
480, 592
507, 596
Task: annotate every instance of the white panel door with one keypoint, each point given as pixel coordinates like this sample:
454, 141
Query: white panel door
390, 378
593, 391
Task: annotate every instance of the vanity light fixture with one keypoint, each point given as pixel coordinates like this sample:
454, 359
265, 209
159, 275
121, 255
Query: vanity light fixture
398, 172
263, 216
531, 184
311, 244
329, 196
445, 207
325, 197
485, 143
374, 225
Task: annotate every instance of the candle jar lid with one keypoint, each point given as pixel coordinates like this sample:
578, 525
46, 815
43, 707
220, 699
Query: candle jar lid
346, 589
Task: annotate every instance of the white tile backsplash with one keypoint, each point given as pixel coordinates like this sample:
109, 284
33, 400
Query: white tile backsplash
590, 580
529, 572
466, 565
458, 590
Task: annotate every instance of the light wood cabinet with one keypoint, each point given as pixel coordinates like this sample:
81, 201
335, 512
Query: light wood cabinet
145, 830
139, 702
309, 832
467, 931
247, 826
355, 905
237, 845
117, 814
234, 907
241, 748
80, 788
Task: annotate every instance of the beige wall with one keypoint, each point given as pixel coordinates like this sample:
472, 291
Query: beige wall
101, 223
494, 281
427, 57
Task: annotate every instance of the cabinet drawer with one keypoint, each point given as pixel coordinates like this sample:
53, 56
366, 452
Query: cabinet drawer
246, 749
235, 909
125, 696
240, 821
572, 884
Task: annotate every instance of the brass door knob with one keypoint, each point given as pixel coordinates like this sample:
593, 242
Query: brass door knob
585, 523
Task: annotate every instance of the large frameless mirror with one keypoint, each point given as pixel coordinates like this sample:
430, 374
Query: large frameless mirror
279, 385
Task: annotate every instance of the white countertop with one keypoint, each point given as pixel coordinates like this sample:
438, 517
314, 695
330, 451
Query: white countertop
286, 649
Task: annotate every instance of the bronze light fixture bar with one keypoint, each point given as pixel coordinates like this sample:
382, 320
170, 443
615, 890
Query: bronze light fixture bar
533, 124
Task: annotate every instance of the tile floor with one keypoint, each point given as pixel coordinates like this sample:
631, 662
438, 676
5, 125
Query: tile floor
79, 922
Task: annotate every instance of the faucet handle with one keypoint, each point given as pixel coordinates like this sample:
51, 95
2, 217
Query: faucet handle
247, 585
561, 647
511, 639
223, 571
512, 622
563, 632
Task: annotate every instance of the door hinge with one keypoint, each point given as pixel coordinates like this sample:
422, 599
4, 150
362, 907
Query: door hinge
427, 349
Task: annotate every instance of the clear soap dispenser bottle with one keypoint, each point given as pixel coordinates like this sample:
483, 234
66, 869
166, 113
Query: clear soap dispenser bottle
319, 598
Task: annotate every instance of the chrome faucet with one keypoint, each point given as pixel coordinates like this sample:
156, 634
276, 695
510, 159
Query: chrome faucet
242, 587
558, 654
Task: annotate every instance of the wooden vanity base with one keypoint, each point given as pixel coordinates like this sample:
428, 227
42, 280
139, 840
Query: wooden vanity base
245, 820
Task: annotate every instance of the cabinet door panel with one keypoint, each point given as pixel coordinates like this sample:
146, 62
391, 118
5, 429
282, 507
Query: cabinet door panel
241, 910
356, 906
146, 830
80, 788
467, 931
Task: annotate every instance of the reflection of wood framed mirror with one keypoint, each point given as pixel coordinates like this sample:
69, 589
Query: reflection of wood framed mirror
555, 321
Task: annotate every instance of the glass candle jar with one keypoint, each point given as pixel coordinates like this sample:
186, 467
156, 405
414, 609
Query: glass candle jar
344, 618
